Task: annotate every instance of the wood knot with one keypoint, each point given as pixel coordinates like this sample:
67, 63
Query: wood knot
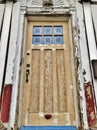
48, 116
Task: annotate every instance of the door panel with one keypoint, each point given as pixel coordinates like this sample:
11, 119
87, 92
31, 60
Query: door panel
47, 89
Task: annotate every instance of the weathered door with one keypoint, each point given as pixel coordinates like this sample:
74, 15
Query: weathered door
48, 90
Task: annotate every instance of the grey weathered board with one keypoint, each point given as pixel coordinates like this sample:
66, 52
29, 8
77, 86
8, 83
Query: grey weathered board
4, 39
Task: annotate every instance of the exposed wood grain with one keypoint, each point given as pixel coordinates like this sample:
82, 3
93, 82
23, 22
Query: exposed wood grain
61, 119
34, 96
48, 81
4, 40
41, 87
55, 85
61, 81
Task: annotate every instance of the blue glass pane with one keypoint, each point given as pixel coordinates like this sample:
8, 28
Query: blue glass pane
37, 30
37, 39
47, 30
47, 39
58, 30
58, 39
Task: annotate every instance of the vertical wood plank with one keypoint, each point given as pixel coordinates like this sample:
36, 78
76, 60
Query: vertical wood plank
91, 40
61, 81
16, 72
90, 31
12, 43
94, 15
4, 39
41, 89
34, 96
2, 6
55, 86
84, 65
48, 82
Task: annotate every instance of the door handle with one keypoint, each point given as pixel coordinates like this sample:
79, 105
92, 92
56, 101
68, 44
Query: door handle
27, 75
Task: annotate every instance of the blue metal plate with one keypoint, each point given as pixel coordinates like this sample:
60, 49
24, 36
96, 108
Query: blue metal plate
48, 128
58, 39
37, 30
37, 40
47, 39
58, 30
47, 30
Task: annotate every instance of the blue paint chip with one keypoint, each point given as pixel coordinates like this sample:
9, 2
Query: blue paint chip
48, 128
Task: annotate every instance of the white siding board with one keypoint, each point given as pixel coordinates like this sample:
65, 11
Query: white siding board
4, 39
16, 73
91, 40
81, 55
2, 6
90, 31
94, 15
12, 43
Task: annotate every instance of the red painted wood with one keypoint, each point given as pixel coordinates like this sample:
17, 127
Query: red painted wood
90, 104
6, 100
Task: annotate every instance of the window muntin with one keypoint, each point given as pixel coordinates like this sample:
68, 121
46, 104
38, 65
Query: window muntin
47, 35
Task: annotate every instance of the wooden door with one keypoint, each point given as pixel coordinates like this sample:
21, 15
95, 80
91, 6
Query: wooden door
48, 83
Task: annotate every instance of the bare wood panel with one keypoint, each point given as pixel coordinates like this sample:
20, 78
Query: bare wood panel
61, 81
41, 87
61, 119
47, 46
34, 96
68, 81
48, 81
55, 86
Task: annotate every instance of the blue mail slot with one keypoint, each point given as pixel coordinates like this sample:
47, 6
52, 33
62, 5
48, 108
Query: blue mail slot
48, 128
